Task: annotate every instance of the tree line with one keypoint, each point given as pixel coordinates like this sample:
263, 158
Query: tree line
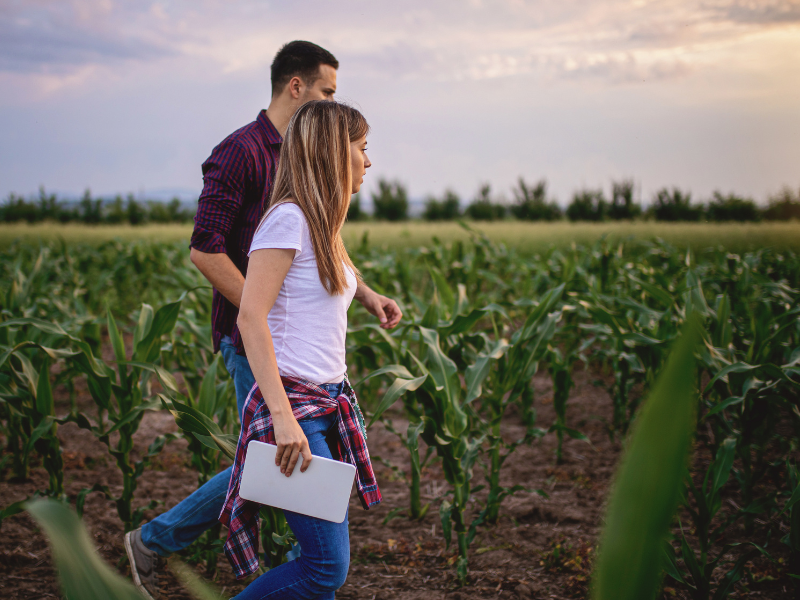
530, 202
93, 211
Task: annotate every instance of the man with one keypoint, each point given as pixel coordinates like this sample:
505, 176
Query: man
237, 180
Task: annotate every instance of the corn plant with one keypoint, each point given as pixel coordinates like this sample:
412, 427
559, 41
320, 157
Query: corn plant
83, 574
510, 366
792, 539
647, 486
130, 386
26, 393
698, 574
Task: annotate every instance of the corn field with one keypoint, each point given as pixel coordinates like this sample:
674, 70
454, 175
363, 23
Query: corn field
696, 353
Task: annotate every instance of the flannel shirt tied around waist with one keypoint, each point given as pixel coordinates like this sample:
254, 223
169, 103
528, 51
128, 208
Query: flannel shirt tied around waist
308, 400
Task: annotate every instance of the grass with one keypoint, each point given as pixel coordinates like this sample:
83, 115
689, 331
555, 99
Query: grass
529, 237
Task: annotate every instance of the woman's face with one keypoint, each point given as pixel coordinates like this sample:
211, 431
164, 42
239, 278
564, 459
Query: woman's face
359, 162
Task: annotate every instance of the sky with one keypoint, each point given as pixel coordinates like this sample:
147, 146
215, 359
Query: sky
131, 96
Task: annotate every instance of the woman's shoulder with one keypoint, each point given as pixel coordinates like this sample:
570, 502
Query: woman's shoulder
284, 226
286, 215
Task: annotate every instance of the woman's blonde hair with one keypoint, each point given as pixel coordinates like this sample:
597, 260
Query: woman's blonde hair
314, 173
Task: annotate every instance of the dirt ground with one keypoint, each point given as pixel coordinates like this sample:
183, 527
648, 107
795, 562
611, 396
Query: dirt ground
541, 547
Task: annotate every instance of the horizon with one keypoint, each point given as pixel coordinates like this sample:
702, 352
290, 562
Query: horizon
701, 95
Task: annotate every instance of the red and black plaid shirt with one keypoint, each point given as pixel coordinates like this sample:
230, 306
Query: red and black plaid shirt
237, 181
308, 400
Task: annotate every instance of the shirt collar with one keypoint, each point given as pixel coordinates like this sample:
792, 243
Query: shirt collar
268, 129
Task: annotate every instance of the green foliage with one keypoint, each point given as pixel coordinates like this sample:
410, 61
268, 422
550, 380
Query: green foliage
390, 203
623, 206
354, 211
446, 209
674, 205
531, 204
83, 574
647, 485
481, 320
784, 206
588, 205
92, 211
732, 208
484, 207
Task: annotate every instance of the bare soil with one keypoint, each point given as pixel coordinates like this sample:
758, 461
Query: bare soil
542, 547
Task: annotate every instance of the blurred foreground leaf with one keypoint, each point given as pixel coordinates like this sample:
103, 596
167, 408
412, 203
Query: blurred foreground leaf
83, 574
649, 481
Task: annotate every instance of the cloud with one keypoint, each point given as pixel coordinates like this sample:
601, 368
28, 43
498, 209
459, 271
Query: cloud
62, 39
614, 41
762, 12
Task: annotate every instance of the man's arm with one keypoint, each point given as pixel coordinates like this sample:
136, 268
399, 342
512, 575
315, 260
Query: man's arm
224, 176
220, 271
386, 309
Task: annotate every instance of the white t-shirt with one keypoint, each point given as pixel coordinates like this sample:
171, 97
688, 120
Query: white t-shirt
308, 325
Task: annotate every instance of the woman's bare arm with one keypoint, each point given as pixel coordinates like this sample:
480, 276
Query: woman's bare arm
265, 274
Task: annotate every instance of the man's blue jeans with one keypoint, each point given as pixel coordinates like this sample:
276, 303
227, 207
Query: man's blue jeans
322, 568
194, 515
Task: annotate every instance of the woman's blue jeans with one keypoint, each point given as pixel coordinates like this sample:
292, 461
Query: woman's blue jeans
322, 567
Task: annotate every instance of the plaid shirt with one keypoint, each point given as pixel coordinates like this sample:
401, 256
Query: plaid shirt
308, 400
237, 181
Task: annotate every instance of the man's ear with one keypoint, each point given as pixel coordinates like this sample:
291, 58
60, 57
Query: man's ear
296, 86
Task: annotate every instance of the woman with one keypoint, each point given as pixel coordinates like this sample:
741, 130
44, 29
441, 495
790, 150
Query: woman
293, 319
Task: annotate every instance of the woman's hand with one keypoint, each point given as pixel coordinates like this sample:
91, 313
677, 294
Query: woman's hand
292, 444
386, 309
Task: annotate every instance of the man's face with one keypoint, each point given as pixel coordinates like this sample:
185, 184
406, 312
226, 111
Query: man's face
323, 88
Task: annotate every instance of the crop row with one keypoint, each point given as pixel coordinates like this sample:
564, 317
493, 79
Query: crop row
481, 321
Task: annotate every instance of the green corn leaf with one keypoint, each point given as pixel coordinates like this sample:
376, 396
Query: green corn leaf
477, 372
445, 292
198, 588
649, 480
207, 398
462, 303
463, 323
143, 325
44, 426
41, 325
722, 464
431, 316
397, 389
738, 367
445, 513
166, 378
163, 322
396, 370
83, 574
119, 347
725, 404
442, 369
45, 405
547, 302
663, 296
226, 442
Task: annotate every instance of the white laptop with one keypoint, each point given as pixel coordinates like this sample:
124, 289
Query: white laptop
323, 491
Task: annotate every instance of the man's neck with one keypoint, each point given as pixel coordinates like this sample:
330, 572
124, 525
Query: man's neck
280, 112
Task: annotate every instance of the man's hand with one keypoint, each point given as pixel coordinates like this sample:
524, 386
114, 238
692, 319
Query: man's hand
221, 273
384, 308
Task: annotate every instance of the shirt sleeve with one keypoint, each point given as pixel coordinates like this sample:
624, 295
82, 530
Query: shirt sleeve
283, 228
225, 176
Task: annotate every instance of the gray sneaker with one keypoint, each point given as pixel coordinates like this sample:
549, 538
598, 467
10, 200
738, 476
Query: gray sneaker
144, 564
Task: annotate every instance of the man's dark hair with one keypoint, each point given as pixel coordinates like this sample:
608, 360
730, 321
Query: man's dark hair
300, 59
